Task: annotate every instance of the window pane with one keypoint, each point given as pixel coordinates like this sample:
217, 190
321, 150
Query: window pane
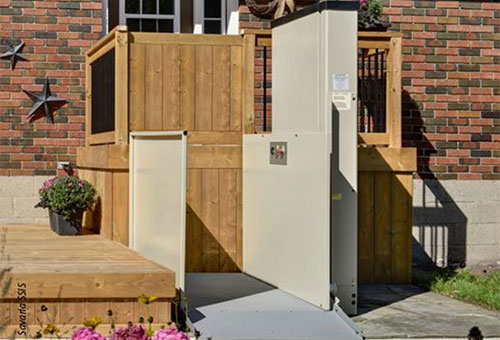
133, 25
132, 6
166, 6
166, 26
212, 8
212, 27
148, 25
149, 7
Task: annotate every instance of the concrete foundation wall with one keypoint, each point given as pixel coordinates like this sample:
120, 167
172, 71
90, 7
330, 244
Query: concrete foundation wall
18, 196
456, 222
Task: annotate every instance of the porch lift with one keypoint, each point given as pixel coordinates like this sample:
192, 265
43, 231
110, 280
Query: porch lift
299, 196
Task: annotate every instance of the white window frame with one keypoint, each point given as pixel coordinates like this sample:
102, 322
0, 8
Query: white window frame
176, 16
229, 16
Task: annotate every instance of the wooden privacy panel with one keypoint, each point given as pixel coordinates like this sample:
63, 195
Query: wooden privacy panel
194, 83
176, 86
384, 227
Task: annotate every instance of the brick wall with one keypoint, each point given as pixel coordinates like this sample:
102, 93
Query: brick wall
249, 21
56, 34
451, 84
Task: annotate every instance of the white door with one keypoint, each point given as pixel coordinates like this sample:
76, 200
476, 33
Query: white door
158, 198
286, 213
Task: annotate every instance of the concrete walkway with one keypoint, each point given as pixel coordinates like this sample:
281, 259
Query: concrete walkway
406, 312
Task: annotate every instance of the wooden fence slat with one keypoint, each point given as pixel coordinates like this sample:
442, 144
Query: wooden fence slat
228, 219
203, 92
104, 188
214, 157
214, 137
236, 86
187, 87
51, 315
239, 219
366, 216
120, 206
153, 87
383, 204
193, 221
249, 83
97, 308
171, 88
401, 227
221, 102
137, 86
123, 311
72, 312
210, 218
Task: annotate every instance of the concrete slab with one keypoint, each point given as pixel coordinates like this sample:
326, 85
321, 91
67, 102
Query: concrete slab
408, 312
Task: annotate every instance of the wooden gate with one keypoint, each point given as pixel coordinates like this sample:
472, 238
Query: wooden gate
195, 83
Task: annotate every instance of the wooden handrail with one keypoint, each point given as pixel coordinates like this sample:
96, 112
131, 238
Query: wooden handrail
106, 39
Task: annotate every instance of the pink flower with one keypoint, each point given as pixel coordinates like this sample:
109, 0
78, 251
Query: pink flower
171, 333
50, 182
70, 184
86, 334
130, 333
80, 184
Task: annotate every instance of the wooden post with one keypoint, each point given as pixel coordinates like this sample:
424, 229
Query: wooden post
249, 83
394, 64
88, 100
121, 85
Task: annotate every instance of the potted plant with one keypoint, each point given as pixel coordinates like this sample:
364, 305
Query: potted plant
370, 16
66, 197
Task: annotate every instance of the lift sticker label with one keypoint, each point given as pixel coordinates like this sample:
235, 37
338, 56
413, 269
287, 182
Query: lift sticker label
340, 82
341, 100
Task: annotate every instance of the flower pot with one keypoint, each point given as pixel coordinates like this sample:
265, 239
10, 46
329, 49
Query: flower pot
64, 227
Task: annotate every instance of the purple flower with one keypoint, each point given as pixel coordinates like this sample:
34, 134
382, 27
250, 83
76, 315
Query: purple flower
86, 334
171, 333
130, 333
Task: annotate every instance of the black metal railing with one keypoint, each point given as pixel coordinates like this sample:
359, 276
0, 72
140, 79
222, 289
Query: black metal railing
372, 65
103, 93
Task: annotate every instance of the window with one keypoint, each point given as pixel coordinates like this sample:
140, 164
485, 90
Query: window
150, 15
216, 16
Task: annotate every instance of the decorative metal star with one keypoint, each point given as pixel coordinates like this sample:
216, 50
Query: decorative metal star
14, 54
45, 104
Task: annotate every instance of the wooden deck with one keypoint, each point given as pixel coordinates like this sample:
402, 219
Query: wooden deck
78, 277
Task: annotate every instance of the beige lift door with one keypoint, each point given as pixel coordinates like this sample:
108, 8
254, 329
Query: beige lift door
158, 198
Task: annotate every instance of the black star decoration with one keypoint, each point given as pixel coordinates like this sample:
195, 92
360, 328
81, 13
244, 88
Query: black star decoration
14, 54
45, 104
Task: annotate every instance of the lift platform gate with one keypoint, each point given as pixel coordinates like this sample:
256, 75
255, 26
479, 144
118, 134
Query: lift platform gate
300, 182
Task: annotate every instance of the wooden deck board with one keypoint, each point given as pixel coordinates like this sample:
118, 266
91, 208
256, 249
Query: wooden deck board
88, 266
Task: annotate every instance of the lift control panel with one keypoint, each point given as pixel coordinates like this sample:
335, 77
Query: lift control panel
278, 153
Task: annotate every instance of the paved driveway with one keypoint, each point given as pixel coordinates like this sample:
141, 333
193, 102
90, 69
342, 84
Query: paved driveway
403, 312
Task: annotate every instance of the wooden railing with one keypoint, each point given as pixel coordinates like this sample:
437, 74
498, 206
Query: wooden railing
379, 85
107, 89
379, 88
